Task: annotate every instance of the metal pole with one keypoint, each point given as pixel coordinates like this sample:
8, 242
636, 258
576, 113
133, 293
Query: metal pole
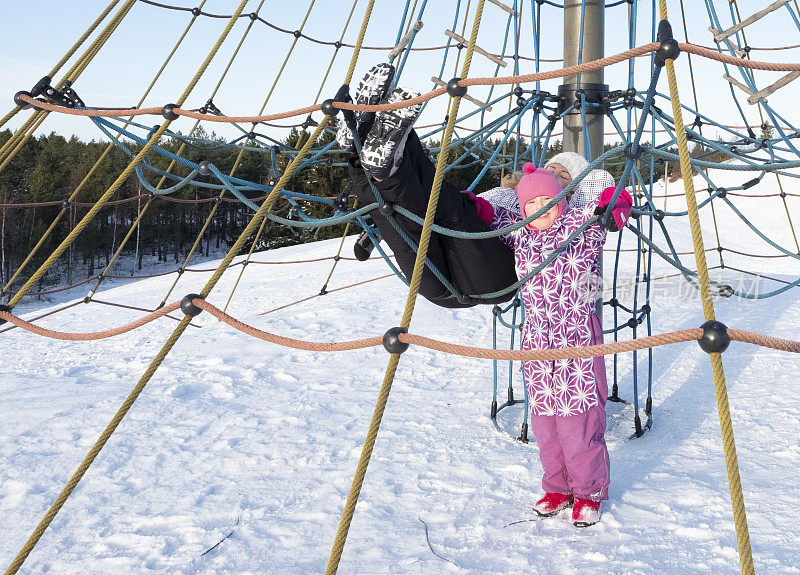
593, 49
591, 82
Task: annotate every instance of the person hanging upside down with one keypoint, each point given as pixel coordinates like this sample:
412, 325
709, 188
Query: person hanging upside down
403, 173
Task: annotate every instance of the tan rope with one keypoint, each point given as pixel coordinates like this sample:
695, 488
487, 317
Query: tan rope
22, 134
726, 425
97, 164
416, 278
109, 430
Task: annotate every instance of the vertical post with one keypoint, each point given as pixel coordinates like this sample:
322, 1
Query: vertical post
591, 82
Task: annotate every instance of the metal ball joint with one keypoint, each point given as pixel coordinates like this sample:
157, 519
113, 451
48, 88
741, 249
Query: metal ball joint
391, 340
518, 91
168, 112
387, 209
203, 169
188, 307
669, 49
195, 11
328, 108
297, 33
722, 192
21, 103
715, 337
253, 16
497, 310
659, 215
454, 90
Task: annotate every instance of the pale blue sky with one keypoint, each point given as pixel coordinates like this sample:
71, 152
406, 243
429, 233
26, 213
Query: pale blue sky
38, 32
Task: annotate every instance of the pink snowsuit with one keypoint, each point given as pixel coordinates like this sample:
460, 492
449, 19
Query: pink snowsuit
567, 397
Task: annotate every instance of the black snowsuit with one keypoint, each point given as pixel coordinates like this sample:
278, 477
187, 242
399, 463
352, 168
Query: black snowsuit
472, 266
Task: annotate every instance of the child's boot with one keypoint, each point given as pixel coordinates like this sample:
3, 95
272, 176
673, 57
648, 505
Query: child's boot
371, 90
552, 503
585, 512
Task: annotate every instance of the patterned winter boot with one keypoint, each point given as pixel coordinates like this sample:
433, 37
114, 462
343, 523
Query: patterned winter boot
383, 146
552, 503
585, 512
371, 90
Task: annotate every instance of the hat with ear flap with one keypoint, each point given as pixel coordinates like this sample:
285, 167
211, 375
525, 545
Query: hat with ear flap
538, 182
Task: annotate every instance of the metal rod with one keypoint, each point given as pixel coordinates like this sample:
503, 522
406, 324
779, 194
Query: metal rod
593, 49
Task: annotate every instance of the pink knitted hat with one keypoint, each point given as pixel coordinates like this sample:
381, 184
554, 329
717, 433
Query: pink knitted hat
537, 183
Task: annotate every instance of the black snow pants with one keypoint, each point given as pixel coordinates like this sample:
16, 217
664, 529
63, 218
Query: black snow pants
473, 266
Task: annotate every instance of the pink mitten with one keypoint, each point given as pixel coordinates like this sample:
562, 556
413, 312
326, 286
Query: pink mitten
483, 207
622, 207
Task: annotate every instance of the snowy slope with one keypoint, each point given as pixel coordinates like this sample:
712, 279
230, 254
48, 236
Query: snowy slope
236, 435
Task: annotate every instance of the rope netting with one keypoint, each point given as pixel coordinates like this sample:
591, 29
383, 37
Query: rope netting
635, 115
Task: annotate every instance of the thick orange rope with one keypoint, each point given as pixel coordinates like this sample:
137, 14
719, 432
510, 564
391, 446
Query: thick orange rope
436, 345
560, 73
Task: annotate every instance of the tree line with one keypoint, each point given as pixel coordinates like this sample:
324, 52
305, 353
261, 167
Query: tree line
49, 168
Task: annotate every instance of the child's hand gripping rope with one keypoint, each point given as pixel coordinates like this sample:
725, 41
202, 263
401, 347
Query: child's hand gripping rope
621, 210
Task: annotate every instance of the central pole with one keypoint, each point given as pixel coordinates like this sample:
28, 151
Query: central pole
593, 22
591, 82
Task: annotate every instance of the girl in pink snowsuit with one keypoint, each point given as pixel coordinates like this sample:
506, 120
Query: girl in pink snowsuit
567, 397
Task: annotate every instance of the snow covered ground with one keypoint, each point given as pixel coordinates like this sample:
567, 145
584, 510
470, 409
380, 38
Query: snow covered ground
234, 435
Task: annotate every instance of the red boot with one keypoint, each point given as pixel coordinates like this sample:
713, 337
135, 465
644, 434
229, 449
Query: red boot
552, 503
585, 512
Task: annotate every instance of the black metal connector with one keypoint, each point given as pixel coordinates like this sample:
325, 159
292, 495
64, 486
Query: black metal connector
722, 192
669, 49
523, 437
387, 209
20, 103
168, 112
188, 307
66, 96
328, 108
725, 291
454, 90
749, 184
203, 169
659, 215
715, 337
630, 155
391, 340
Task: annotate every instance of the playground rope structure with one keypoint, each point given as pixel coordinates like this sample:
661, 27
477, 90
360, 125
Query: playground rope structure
640, 108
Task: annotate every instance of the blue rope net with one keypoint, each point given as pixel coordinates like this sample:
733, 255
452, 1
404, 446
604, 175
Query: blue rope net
636, 117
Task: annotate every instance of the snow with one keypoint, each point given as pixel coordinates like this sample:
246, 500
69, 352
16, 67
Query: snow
254, 445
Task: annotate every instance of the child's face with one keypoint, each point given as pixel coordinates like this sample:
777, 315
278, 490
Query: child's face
545, 221
562, 175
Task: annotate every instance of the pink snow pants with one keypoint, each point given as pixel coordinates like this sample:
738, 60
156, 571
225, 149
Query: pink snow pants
573, 449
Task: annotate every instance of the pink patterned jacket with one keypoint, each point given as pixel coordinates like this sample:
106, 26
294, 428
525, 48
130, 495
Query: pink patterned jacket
559, 304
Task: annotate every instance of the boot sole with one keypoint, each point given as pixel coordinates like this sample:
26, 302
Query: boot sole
552, 513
